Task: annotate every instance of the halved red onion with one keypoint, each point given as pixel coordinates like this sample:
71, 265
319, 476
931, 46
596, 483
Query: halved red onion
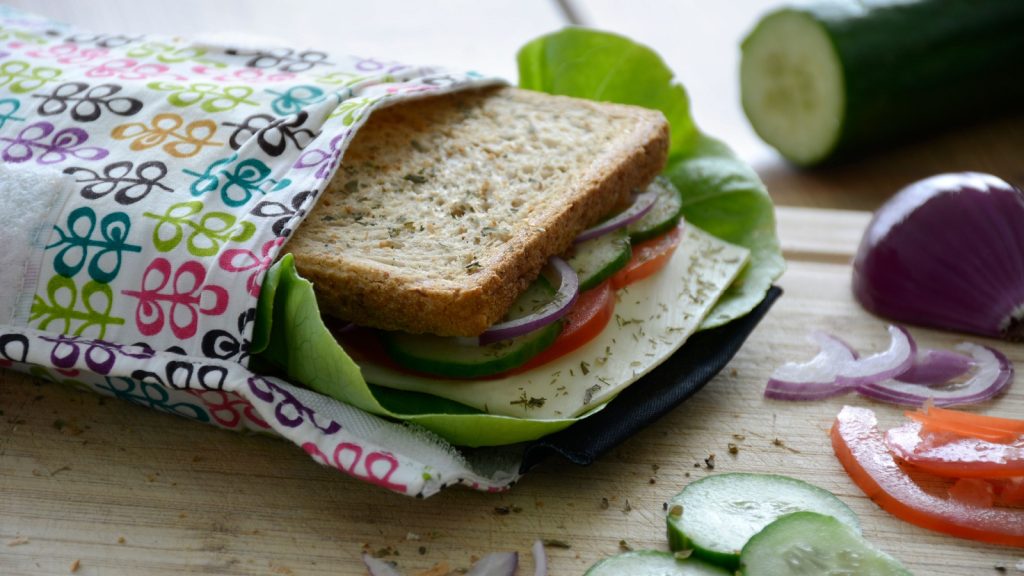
560, 273
540, 559
642, 204
992, 375
837, 369
497, 564
932, 367
378, 567
947, 252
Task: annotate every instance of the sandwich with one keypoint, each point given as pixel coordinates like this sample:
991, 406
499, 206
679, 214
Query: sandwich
448, 222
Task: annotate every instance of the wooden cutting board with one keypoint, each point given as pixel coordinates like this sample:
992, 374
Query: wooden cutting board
96, 486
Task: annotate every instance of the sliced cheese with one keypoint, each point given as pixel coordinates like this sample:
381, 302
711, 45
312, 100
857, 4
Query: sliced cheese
652, 319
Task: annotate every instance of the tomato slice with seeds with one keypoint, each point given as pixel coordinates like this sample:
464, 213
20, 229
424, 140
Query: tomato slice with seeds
581, 324
648, 258
861, 449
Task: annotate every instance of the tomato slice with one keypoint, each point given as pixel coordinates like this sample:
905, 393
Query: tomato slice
648, 258
860, 447
954, 456
581, 324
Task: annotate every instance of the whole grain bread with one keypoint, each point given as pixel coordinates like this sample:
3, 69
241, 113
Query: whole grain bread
446, 208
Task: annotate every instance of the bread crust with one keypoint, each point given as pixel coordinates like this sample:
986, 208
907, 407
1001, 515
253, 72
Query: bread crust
387, 290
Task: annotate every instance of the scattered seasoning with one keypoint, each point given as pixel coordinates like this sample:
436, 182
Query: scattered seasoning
733, 448
59, 424
739, 437
555, 543
18, 541
710, 461
588, 395
652, 480
412, 536
627, 507
676, 511
624, 546
75, 565
120, 540
778, 442
1000, 568
664, 506
502, 510
422, 550
604, 503
415, 178
585, 368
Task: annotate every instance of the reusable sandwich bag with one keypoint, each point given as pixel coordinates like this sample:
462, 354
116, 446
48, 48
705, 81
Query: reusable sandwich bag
148, 186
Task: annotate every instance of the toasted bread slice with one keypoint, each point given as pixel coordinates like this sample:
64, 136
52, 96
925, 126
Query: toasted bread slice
446, 208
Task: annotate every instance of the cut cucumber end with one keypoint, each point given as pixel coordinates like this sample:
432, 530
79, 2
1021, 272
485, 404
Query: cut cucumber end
792, 86
811, 543
721, 513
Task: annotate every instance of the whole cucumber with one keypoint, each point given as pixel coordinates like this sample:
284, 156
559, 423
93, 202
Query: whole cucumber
831, 79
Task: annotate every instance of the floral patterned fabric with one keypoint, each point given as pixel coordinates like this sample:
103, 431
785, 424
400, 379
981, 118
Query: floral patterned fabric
188, 166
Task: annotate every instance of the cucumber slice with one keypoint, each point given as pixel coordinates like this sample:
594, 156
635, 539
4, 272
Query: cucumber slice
653, 563
810, 543
663, 216
464, 358
721, 512
834, 78
597, 259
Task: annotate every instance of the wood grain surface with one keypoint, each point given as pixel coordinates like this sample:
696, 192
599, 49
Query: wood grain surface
98, 486
112, 488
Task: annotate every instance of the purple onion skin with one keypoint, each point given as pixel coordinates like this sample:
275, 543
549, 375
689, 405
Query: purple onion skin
947, 252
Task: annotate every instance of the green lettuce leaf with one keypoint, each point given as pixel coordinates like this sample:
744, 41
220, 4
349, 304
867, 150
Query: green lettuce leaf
721, 193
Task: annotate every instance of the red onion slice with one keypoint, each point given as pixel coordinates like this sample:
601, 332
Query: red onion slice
641, 205
540, 559
992, 375
378, 567
933, 367
497, 564
816, 378
888, 364
838, 368
565, 297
